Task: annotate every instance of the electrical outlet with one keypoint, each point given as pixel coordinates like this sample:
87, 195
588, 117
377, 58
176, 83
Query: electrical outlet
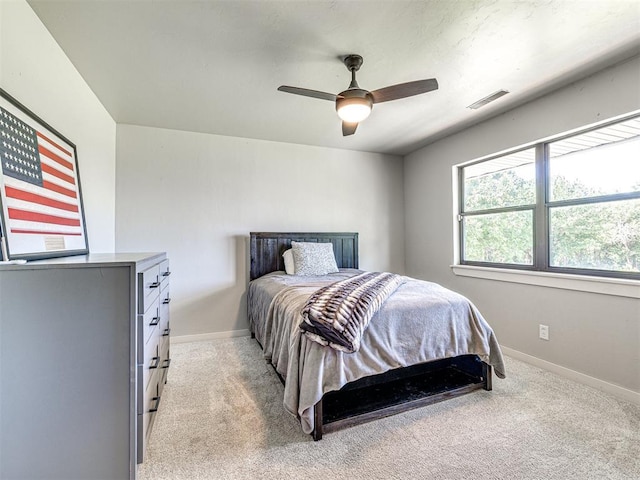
544, 332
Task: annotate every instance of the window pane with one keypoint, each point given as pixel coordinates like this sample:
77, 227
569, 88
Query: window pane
603, 236
499, 238
502, 182
600, 162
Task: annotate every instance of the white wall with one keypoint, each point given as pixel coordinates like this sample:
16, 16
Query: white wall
198, 196
598, 335
37, 73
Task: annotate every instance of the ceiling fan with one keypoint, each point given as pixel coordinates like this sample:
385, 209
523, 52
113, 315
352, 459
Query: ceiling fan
355, 104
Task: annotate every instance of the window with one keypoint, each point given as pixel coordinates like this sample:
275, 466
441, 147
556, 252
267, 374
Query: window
571, 205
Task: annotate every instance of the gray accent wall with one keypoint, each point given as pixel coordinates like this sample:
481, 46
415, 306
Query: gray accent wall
197, 196
594, 334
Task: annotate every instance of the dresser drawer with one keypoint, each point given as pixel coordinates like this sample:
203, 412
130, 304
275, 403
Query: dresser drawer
163, 346
148, 331
143, 431
165, 362
165, 329
147, 415
151, 320
165, 299
147, 392
163, 377
149, 288
164, 272
163, 353
152, 362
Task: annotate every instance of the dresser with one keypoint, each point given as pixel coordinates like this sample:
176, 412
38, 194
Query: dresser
84, 357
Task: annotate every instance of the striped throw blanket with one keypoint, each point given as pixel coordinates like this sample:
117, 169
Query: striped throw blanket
337, 315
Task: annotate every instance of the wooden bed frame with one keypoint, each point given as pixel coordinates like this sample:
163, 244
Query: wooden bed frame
380, 395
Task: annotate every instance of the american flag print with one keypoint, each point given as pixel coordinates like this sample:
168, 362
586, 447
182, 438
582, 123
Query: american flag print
39, 192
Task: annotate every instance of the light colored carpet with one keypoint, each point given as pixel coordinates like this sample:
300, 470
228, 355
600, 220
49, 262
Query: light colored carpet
221, 417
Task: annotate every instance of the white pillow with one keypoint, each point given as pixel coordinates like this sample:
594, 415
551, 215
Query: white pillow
313, 258
289, 266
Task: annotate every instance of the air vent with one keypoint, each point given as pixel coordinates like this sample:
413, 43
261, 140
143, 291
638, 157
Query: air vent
488, 99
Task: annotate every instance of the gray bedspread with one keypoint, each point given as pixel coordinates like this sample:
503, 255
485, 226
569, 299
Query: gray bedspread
420, 322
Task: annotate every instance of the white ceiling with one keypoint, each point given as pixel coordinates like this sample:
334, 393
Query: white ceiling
214, 66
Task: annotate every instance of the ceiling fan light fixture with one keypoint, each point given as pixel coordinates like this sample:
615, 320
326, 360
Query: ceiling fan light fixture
354, 109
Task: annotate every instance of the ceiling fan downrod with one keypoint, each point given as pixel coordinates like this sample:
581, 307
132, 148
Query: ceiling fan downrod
353, 64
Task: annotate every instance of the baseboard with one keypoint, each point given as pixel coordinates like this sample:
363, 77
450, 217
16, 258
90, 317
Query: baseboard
615, 390
203, 337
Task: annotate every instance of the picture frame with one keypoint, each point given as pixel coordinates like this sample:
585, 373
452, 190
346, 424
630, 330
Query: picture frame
41, 208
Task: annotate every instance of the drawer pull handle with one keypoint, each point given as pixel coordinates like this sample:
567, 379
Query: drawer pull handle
154, 285
167, 362
157, 400
154, 321
166, 301
166, 332
154, 365
166, 274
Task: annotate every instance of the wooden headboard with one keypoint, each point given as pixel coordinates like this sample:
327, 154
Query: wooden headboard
266, 249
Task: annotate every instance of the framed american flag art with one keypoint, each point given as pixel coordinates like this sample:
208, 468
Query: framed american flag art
41, 213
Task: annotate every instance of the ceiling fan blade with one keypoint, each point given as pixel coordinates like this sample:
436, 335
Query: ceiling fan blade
403, 90
308, 93
349, 128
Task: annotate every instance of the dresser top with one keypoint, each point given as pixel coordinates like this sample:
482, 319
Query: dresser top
91, 260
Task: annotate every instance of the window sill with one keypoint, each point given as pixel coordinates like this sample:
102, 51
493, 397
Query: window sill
602, 285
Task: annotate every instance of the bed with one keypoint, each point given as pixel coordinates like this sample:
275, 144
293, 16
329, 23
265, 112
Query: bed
426, 344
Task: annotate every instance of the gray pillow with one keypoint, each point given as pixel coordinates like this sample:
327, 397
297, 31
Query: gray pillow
313, 258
